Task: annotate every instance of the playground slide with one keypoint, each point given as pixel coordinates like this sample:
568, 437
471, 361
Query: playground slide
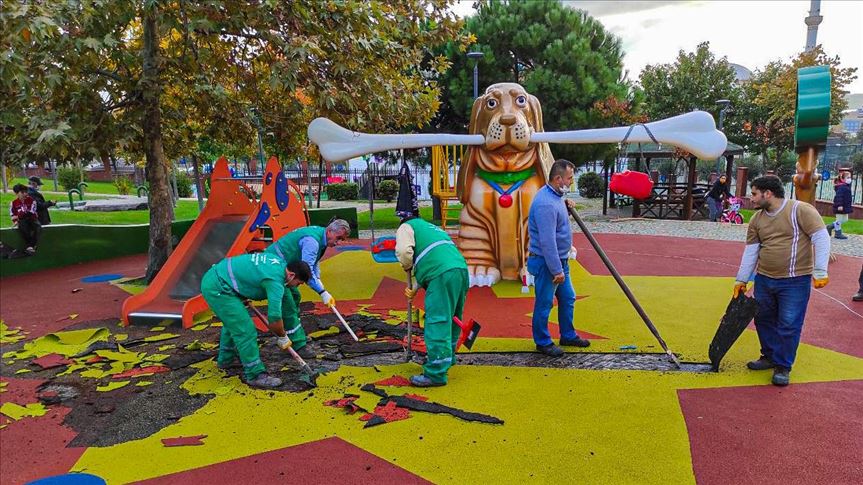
232, 223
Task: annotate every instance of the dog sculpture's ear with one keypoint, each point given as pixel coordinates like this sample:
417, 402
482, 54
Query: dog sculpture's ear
466, 169
546, 159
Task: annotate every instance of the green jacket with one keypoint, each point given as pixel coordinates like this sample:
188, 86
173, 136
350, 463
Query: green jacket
434, 252
288, 248
256, 276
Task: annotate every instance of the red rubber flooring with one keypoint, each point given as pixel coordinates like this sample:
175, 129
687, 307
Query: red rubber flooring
768, 435
333, 458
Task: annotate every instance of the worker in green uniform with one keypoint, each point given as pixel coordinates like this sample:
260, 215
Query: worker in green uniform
440, 268
228, 284
308, 244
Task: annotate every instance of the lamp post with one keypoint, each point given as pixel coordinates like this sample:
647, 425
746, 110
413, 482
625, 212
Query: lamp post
726, 106
476, 56
256, 119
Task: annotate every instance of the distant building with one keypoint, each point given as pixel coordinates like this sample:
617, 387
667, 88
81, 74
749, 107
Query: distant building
852, 120
741, 73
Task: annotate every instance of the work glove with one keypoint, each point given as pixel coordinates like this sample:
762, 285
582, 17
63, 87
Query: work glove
739, 287
284, 343
328, 299
819, 278
410, 293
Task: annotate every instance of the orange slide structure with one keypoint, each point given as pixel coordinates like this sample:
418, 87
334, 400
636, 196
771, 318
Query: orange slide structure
233, 222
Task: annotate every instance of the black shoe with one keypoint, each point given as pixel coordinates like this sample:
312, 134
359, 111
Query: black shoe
306, 352
550, 350
763, 363
576, 342
781, 376
858, 296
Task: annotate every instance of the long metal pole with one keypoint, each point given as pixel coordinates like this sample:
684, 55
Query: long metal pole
409, 349
475, 79
622, 284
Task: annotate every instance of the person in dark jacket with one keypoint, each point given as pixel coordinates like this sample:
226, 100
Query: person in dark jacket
841, 203
42, 205
718, 192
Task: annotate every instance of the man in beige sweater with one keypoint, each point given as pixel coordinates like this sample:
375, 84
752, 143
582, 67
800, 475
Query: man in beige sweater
779, 250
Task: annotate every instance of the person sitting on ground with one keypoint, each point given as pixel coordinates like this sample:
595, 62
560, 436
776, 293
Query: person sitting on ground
25, 216
309, 244
841, 203
226, 287
440, 268
717, 193
42, 205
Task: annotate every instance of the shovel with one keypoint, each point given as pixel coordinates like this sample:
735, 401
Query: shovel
291, 351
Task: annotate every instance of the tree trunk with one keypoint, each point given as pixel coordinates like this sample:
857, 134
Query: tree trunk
3, 179
106, 162
199, 187
156, 168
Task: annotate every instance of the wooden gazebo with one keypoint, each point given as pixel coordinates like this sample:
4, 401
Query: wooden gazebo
669, 199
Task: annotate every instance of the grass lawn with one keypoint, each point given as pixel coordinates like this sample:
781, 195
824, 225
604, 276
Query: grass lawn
853, 226
92, 187
185, 210
387, 219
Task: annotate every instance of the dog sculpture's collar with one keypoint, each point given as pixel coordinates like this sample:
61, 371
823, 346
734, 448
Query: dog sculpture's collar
505, 177
494, 179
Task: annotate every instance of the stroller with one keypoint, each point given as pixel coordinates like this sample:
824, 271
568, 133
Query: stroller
732, 213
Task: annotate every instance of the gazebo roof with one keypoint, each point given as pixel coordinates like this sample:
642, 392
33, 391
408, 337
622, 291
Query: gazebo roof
652, 150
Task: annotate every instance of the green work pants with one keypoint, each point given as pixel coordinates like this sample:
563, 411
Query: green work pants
239, 336
444, 299
291, 317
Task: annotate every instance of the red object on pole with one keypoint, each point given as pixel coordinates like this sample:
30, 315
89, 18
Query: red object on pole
637, 185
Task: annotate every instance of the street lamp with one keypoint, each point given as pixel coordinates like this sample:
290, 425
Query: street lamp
726, 106
476, 56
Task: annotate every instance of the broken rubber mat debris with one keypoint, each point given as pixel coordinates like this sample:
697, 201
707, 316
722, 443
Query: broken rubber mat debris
184, 441
399, 381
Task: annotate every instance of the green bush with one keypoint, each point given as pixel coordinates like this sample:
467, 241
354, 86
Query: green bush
184, 184
387, 190
69, 177
123, 185
343, 191
591, 185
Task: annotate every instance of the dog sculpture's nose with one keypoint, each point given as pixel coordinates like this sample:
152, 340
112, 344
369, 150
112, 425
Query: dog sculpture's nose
507, 120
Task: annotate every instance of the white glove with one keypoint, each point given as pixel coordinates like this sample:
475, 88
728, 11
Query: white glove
284, 342
328, 299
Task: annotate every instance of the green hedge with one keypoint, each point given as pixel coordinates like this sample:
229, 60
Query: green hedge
343, 191
67, 244
322, 217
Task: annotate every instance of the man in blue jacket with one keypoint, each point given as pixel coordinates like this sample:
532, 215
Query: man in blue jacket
548, 260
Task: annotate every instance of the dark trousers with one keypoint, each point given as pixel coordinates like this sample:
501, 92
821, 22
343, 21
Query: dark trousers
781, 309
860, 281
29, 230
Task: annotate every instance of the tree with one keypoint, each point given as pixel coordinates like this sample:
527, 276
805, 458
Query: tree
694, 81
562, 56
170, 77
775, 90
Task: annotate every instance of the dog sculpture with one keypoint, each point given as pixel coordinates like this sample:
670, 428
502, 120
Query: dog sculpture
498, 182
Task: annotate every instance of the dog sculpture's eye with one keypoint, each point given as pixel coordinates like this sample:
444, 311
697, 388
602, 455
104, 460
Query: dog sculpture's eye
491, 103
521, 101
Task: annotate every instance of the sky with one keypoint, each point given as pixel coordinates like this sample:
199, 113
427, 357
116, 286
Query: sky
749, 33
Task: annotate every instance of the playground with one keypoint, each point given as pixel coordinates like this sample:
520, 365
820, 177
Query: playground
617, 421
271, 325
